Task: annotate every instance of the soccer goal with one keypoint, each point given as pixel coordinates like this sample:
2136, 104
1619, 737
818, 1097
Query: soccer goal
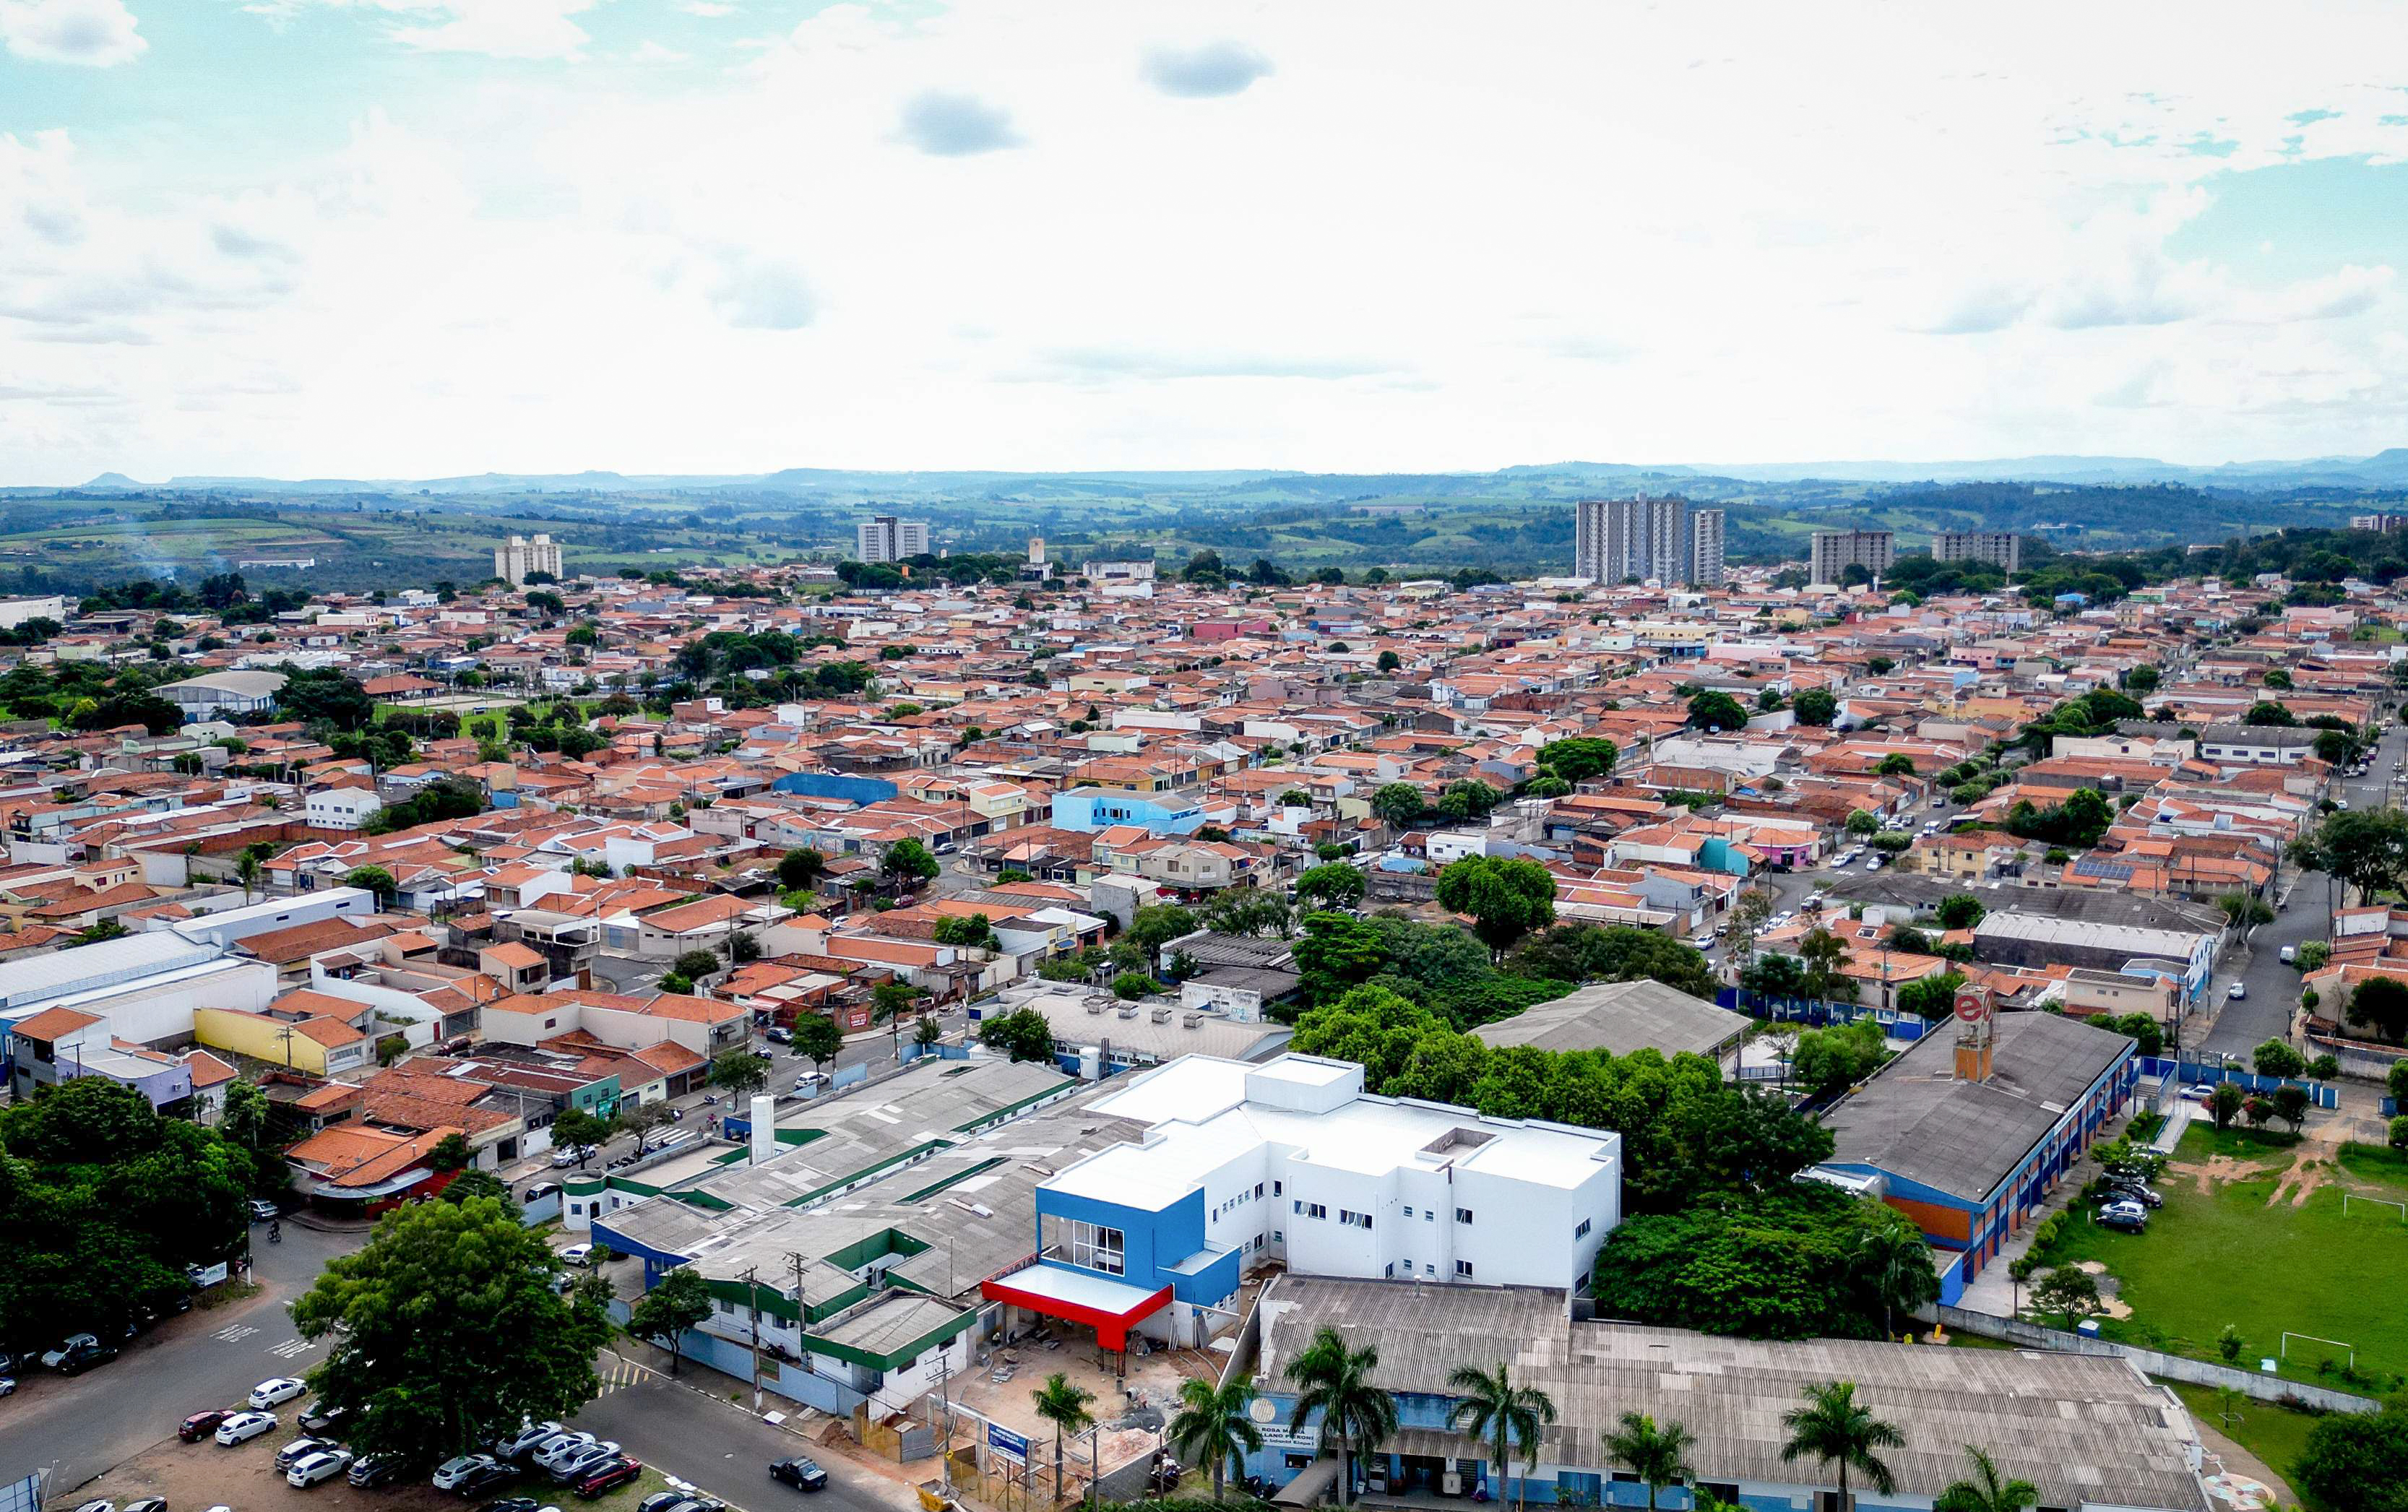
2286, 1350
2400, 1208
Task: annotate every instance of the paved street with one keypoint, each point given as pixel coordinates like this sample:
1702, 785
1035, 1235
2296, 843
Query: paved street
84, 1426
2274, 986
679, 1429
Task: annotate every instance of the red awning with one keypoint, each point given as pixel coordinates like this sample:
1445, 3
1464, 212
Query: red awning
1075, 1296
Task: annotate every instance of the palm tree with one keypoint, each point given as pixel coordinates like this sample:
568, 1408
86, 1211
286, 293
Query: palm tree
1983, 1491
1336, 1382
1900, 1264
1492, 1405
1212, 1424
246, 871
1658, 1456
1064, 1405
1836, 1429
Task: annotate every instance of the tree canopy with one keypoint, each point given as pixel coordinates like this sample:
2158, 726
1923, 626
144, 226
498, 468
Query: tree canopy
1506, 898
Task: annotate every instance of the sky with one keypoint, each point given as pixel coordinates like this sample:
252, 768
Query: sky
413, 238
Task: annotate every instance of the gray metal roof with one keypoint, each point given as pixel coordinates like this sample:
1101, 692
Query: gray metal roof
2109, 905
1620, 1017
1916, 1121
2084, 1429
40, 979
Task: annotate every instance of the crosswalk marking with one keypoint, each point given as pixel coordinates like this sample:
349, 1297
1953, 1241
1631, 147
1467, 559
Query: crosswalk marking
235, 1333
291, 1349
618, 1372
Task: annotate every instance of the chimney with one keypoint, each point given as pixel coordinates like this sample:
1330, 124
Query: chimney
764, 1127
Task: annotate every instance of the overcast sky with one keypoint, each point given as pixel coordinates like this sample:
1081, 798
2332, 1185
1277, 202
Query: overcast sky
417, 237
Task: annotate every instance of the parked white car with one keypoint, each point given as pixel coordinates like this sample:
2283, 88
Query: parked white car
323, 1465
245, 1426
451, 1472
276, 1389
528, 1438
577, 1254
562, 1447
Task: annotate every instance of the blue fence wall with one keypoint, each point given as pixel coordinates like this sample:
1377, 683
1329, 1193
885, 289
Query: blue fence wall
2204, 1073
864, 790
1816, 1014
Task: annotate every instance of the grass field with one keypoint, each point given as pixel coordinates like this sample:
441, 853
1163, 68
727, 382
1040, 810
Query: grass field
2274, 1435
2254, 1235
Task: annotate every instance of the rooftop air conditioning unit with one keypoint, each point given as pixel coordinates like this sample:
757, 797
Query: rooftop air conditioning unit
1161, 1016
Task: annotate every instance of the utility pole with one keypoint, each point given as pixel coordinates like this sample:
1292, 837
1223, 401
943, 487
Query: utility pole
753, 1293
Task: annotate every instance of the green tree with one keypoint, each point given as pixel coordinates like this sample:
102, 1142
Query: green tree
1985, 1490
1213, 1426
693, 965
1933, 998
1506, 898
1398, 804
1900, 1263
888, 1000
1331, 885
1467, 798
2381, 1004
1154, 925
1659, 1457
1334, 1383
509, 1349
800, 868
1069, 1407
1863, 822
1815, 706
1823, 954
1960, 910
1897, 763
1131, 985
473, 1183
1713, 709
1024, 1035
250, 869
642, 1119
2276, 1059
1390, 662
1578, 758
2224, 1102
574, 1128
375, 879
817, 1037
740, 1072
1489, 1405
1838, 1433
2357, 1462
908, 862
451, 1153
2069, 1291
664, 1314
976, 931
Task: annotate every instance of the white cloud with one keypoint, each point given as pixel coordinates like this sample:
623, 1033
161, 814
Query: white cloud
99, 34
1206, 71
648, 50
1451, 236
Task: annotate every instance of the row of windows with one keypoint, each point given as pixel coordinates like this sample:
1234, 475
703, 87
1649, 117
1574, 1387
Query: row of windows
1095, 1246
1362, 1221
1237, 1201
1462, 1270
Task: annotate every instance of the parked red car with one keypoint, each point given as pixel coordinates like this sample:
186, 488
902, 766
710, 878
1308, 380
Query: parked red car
610, 1475
200, 1425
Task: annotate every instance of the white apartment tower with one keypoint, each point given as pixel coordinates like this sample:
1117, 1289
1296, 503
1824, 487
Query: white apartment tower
1654, 540
518, 556
1834, 551
1999, 548
885, 539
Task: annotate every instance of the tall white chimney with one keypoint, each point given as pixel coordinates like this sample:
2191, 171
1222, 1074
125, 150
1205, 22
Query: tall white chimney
764, 1127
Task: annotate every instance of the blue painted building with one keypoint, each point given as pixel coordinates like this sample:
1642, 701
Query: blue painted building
1972, 1156
1088, 809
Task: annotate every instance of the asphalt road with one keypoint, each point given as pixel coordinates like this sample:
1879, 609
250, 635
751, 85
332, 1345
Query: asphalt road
2273, 987
718, 1445
82, 1426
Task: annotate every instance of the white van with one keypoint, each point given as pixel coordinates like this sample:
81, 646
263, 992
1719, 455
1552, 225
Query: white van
2289, 955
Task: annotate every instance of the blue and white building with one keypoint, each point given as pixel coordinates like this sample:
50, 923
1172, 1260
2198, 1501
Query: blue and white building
1088, 809
1290, 1160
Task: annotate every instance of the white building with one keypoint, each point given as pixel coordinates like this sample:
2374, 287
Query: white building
213, 695
1832, 552
518, 556
16, 611
885, 539
1292, 1161
342, 808
1654, 540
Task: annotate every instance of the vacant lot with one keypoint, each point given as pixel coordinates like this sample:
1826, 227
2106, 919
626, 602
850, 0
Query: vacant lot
2254, 1235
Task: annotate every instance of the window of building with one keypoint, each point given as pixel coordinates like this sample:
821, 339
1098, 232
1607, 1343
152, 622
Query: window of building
1276, 1188
1409, 1211
1279, 1236
1580, 1233
1430, 1270
1463, 1270
1429, 1215
1463, 1215
1310, 1209
1089, 1245
1259, 1189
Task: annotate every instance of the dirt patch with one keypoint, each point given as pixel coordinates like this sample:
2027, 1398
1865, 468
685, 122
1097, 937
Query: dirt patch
2111, 1305
2216, 1169
2302, 1181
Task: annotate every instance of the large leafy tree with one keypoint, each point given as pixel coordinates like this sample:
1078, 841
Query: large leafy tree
1334, 1383
739, 1071
105, 1203
1506, 898
1398, 804
1024, 1035
2357, 1462
668, 1310
1332, 885
1579, 757
1815, 706
818, 1037
908, 862
2381, 1004
450, 1331
1156, 925
1714, 710
1213, 1427
1612, 953
1840, 1433
1508, 1416
1783, 1263
576, 1129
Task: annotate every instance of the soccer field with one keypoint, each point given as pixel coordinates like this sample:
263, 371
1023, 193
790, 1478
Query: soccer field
2255, 1236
